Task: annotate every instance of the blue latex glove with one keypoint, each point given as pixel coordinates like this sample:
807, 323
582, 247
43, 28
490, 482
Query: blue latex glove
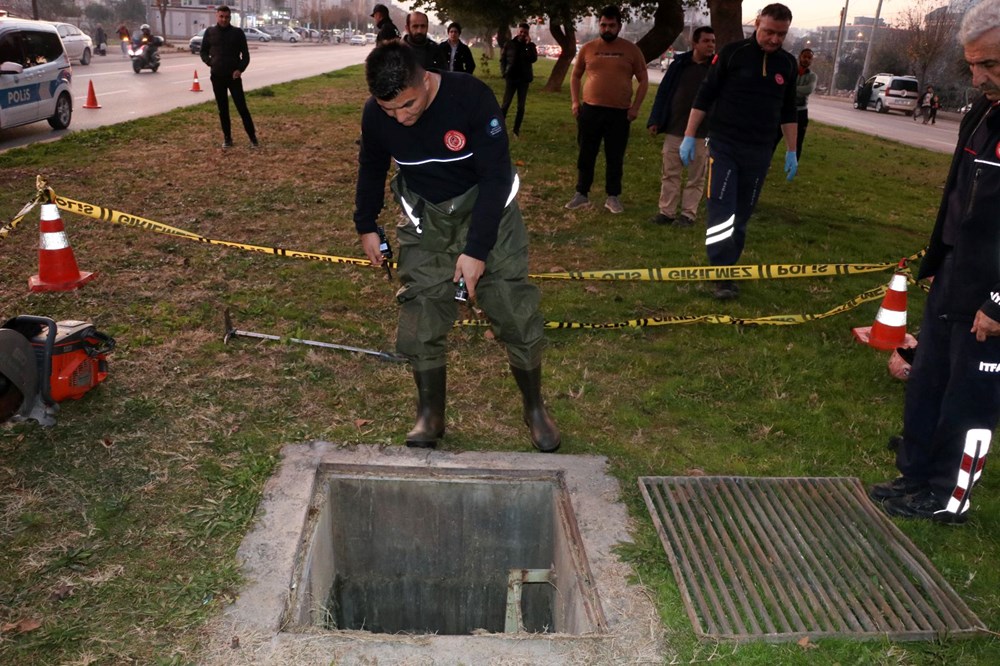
687, 150
791, 164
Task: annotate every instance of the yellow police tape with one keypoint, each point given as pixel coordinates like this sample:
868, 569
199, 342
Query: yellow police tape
666, 274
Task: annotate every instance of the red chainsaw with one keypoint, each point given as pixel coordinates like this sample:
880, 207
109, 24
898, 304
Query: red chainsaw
43, 363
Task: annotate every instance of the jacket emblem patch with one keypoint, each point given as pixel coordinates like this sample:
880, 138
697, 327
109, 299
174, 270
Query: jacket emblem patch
779, 79
454, 140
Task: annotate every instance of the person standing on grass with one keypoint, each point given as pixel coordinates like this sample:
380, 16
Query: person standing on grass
416, 38
457, 55
805, 85
750, 89
953, 393
224, 50
669, 115
458, 190
516, 59
607, 107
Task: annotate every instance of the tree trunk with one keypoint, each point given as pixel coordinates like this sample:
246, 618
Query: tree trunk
668, 22
727, 21
566, 39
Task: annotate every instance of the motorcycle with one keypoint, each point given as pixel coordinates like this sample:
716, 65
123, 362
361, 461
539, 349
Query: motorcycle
146, 55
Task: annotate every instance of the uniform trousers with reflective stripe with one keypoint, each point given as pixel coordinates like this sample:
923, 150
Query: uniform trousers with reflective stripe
954, 387
736, 176
427, 266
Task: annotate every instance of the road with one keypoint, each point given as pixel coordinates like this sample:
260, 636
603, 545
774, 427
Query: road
125, 95
839, 112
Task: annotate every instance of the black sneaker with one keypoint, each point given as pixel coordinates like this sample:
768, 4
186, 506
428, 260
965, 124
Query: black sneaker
923, 505
898, 487
227, 143
685, 221
661, 219
725, 290
254, 143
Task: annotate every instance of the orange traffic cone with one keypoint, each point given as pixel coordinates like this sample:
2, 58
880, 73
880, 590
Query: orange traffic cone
196, 87
57, 270
889, 329
91, 98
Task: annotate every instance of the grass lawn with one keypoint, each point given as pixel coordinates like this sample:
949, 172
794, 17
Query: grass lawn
119, 527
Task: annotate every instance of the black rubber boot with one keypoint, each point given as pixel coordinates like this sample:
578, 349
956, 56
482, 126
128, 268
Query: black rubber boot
431, 386
544, 433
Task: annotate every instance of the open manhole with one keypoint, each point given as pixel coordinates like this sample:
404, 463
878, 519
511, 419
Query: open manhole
448, 552
371, 554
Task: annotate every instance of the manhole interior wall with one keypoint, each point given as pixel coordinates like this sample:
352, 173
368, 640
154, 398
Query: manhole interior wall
405, 550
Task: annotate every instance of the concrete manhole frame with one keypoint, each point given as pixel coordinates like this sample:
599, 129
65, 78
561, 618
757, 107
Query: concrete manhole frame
251, 631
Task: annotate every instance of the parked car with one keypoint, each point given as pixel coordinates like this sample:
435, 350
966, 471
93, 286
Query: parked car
79, 47
288, 35
35, 74
358, 40
887, 92
370, 37
195, 42
253, 34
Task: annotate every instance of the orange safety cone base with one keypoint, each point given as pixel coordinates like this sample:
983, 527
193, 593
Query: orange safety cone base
863, 335
196, 87
91, 98
35, 283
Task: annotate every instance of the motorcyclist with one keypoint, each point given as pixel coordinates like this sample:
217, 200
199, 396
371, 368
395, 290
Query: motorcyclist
146, 38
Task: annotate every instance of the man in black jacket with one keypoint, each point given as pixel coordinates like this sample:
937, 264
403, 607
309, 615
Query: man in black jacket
387, 30
224, 50
455, 55
425, 48
750, 90
515, 66
953, 393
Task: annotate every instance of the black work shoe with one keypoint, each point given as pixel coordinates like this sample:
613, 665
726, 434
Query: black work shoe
661, 219
923, 505
685, 221
725, 290
898, 487
895, 443
227, 143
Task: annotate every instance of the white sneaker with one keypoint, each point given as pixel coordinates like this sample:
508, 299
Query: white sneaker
614, 205
578, 201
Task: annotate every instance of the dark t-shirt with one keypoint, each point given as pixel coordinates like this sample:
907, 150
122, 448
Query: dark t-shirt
680, 106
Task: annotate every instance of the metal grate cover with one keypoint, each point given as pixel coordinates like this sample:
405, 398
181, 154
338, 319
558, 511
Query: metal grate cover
781, 558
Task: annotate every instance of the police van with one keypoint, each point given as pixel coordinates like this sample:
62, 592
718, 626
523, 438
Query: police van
35, 74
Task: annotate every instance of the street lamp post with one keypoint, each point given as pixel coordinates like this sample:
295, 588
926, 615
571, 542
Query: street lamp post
836, 51
868, 53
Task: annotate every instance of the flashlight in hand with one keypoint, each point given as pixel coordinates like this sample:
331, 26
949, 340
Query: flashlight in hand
385, 250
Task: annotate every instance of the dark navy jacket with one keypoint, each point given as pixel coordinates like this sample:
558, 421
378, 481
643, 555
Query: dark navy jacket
660, 115
975, 277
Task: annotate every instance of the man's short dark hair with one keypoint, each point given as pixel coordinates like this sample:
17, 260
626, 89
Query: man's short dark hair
524, 25
223, 8
777, 11
805, 51
456, 25
612, 12
390, 69
705, 29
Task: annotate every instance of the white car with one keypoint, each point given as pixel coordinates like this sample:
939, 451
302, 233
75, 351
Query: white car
35, 74
253, 34
79, 47
358, 40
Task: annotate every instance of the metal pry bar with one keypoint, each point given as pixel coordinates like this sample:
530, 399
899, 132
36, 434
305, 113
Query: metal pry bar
232, 332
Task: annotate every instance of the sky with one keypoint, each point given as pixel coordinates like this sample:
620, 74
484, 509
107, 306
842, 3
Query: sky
813, 13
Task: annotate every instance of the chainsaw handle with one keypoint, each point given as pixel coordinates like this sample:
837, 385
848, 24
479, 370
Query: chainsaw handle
50, 343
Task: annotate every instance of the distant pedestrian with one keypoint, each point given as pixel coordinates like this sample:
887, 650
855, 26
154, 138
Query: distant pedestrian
456, 56
387, 30
607, 107
669, 116
224, 50
750, 90
125, 37
100, 41
515, 66
924, 105
935, 105
428, 55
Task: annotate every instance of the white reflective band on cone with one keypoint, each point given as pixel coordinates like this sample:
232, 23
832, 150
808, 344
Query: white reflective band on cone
50, 212
891, 317
898, 283
55, 240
